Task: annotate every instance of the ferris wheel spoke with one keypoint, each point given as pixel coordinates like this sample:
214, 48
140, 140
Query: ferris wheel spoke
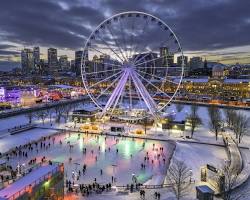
150, 60
146, 54
117, 54
132, 38
97, 83
123, 37
157, 77
117, 44
99, 51
106, 89
145, 42
130, 94
120, 66
143, 31
153, 85
90, 73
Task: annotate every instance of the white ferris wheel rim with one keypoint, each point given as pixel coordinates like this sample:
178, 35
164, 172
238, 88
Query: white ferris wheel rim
83, 73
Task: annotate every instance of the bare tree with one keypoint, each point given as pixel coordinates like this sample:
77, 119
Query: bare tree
230, 180
41, 114
65, 114
230, 115
50, 113
240, 125
30, 116
59, 110
179, 107
215, 119
194, 118
179, 176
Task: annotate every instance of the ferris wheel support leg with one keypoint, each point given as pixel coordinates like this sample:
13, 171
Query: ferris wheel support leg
116, 93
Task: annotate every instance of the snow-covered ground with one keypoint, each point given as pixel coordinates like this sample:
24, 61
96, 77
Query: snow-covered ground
194, 155
197, 155
11, 141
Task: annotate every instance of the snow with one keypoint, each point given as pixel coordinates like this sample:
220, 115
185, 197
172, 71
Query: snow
237, 81
194, 155
11, 141
197, 155
195, 80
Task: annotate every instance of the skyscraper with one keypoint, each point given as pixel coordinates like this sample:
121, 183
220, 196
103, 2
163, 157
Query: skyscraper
195, 63
78, 60
185, 62
64, 63
167, 57
27, 61
52, 60
179, 60
36, 57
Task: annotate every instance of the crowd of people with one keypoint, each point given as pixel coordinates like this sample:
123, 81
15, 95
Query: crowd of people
31, 150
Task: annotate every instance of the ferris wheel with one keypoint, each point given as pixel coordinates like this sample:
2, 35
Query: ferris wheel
128, 65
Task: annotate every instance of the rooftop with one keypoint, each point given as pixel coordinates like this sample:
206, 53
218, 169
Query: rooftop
25, 181
205, 189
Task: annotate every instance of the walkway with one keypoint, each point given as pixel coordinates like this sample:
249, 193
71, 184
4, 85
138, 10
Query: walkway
236, 162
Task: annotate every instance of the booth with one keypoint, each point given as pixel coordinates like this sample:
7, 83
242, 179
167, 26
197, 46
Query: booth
204, 192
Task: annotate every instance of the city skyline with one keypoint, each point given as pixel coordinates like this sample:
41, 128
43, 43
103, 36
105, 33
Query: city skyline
225, 41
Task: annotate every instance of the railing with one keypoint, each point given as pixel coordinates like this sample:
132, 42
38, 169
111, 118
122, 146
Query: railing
20, 128
145, 186
36, 182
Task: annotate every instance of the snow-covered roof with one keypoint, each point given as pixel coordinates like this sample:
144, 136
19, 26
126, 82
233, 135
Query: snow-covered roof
205, 80
179, 117
205, 189
63, 86
90, 108
195, 80
25, 181
236, 80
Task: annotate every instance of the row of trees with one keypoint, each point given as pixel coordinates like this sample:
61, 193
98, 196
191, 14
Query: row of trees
235, 120
58, 112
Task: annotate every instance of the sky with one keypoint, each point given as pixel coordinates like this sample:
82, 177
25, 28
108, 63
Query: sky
218, 30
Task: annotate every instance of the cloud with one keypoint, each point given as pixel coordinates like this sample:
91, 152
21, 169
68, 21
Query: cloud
46, 23
201, 25
8, 52
6, 46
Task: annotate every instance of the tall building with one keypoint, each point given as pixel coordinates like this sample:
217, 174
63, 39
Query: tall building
36, 57
179, 60
64, 63
78, 60
167, 56
27, 61
196, 62
185, 62
52, 60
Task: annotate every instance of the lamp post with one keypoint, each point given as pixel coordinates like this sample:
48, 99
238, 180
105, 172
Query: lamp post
191, 173
18, 170
103, 124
